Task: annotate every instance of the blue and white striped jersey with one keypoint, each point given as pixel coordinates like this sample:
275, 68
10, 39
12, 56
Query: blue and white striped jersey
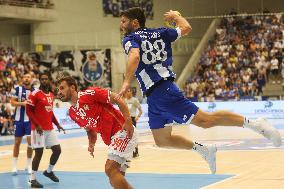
22, 94
155, 54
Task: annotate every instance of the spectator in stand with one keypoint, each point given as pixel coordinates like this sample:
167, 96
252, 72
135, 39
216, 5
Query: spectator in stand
244, 47
274, 69
5, 120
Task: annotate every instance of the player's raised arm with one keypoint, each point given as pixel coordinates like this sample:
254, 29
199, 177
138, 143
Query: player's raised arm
132, 64
181, 22
125, 112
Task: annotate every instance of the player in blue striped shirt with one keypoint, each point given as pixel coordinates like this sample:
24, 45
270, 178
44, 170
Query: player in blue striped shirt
22, 123
150, 60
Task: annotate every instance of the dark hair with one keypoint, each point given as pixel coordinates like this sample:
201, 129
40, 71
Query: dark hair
26, 72
46, 74
68, 79
135, 13
49, 89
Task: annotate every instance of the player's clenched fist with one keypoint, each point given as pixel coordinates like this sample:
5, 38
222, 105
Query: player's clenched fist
91, 150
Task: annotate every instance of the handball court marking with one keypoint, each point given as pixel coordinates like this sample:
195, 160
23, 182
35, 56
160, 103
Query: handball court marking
237, 166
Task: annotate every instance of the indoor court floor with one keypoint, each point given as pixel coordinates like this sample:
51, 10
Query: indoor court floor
244, 160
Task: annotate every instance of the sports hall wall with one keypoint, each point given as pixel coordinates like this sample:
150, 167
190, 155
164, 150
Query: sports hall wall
81, 24
15, 35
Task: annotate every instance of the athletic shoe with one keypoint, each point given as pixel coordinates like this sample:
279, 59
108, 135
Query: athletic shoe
263, 127
35, 184
29, 169
51, 175
210, 157
14, 171
135, 155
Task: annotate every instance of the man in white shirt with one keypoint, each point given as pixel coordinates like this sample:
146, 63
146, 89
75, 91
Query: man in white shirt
274, 68
133, 105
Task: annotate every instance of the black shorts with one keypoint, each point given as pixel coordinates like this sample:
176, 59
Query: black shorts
133, 121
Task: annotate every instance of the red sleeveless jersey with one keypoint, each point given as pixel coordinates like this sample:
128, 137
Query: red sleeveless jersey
43, 107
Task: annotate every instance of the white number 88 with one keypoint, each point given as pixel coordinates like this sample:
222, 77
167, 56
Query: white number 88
161, 54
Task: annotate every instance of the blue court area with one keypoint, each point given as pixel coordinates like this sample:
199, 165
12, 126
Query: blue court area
68, 135
98, 180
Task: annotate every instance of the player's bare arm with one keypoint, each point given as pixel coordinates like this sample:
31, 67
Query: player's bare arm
92, 136
125, 112
132, 64
15, 102
180, 21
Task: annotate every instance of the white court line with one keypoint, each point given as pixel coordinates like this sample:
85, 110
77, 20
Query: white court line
10, 152
251, 149
224, 180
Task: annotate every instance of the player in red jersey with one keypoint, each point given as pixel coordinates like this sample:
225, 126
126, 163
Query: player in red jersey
40, 111
93, 110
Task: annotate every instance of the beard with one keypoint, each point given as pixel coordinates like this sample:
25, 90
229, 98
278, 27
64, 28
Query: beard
63, 99
46, 87
66, 98
127, 30
26, 83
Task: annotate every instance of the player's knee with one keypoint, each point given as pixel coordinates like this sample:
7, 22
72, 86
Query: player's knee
38, 153
56, 150
109, 169
17, 143
206, 121
163, 141
160, 143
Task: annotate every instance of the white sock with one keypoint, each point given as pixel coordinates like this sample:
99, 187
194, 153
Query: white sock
29, 162
3, 130
15, 160
251, 124
33, 175
200, 148
50, 168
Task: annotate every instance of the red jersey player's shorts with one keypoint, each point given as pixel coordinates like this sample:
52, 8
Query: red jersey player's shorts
47, 139
121, 148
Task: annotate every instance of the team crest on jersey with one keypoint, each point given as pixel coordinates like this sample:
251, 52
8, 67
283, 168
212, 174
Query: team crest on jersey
48, 108
86, 107
127, 46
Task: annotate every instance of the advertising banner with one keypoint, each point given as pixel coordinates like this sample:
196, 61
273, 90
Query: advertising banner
272, 110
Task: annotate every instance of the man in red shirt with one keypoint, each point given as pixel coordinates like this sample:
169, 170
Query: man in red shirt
93, 110
40, 111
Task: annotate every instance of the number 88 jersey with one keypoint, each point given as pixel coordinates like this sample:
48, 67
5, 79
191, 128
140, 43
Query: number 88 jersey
155, 53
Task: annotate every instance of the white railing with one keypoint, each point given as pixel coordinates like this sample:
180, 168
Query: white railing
30, 4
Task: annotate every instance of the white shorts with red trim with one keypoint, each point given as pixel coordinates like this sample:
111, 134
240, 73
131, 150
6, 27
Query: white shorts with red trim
121, 148
47, 139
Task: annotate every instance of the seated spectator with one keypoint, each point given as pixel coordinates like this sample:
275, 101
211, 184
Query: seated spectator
238, 61
282, 71
6, 124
